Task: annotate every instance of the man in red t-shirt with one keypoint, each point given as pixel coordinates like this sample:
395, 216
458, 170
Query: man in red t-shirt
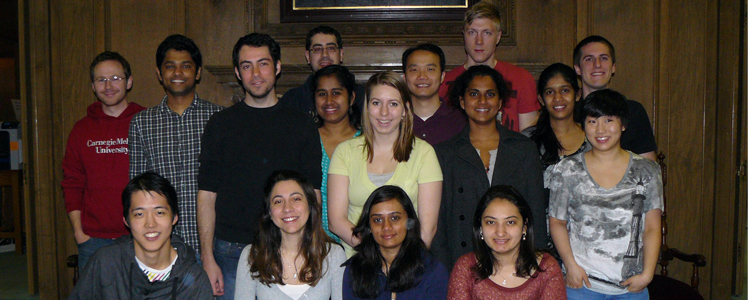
482, 32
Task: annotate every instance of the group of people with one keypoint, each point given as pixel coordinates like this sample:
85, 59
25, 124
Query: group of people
477, 183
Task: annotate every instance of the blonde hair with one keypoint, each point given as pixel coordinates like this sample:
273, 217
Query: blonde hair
405, 139
483, 10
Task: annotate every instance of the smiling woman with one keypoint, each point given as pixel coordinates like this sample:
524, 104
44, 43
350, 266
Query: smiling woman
482, 155
387, 153
292, 255
505, 264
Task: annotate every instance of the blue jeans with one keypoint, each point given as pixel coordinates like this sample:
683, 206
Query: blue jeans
584, 293
87, 249
227, 257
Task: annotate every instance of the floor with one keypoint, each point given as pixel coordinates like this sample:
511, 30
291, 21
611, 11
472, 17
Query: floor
13, 277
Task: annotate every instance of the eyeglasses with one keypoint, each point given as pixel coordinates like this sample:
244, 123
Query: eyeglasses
103, 80
330, 49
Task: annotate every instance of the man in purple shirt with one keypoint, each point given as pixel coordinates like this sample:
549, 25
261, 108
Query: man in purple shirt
435, 120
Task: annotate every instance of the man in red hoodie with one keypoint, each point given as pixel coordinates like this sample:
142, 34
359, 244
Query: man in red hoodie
96, 161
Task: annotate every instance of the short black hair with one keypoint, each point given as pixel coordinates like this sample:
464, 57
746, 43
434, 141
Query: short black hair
110, 55
149, 182
460, 85
323, 30
425, 47
605, 102
257, 40
593, 39
178, 42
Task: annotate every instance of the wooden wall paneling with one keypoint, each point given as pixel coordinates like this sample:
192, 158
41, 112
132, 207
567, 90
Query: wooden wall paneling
630, 26
544, 33
25, 22
228, 21
691, 131
36, 94
137, 30
725, 246
582, 20
74, 39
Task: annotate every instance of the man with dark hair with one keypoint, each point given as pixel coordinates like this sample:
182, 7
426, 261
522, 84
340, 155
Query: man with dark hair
150, 262
96, 159
324, 47
482, 33
166, 138
595, 63
435, 120
241, 147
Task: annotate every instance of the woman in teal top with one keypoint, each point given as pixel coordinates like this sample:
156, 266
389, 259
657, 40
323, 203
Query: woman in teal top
334, 93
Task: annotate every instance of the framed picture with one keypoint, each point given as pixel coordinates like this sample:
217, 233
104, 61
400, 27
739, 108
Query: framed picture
293, 11
410, 22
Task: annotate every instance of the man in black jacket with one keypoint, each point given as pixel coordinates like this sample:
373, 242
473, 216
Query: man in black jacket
150, 263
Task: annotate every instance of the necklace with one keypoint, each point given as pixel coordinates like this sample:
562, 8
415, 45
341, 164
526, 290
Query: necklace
296, 271
504, 282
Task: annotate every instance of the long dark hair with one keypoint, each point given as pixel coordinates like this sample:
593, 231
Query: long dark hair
527, 258
407, 267
265, 258
543, 135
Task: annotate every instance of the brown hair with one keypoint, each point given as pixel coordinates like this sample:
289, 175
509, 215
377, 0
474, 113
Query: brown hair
264, 256
483, 10
405, 139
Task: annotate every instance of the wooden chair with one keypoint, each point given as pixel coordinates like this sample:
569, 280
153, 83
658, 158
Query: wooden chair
663, 287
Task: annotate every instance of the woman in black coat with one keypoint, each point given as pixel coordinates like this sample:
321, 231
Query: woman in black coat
484, 154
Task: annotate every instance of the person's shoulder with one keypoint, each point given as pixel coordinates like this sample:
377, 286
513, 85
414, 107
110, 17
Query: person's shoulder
336, 256
422, 146
515, 138
570, 162
634, 105
292, 113
336, 249
111, 254
451, 143
457, 71
467, 259
210, 106
147, 113
548, 261
641, 162
512, 70
352, 142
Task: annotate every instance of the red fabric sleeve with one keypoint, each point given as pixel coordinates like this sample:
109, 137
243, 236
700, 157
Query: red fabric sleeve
461, 280
555, 286
527, 94
74, 174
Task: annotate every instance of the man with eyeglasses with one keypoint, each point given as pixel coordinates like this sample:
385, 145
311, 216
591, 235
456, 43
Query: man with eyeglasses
95, 166
324, 47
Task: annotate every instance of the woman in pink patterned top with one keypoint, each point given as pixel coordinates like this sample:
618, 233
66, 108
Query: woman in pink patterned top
505, 264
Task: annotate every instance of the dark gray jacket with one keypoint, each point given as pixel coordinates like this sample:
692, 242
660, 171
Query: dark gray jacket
465, 182
113, 273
